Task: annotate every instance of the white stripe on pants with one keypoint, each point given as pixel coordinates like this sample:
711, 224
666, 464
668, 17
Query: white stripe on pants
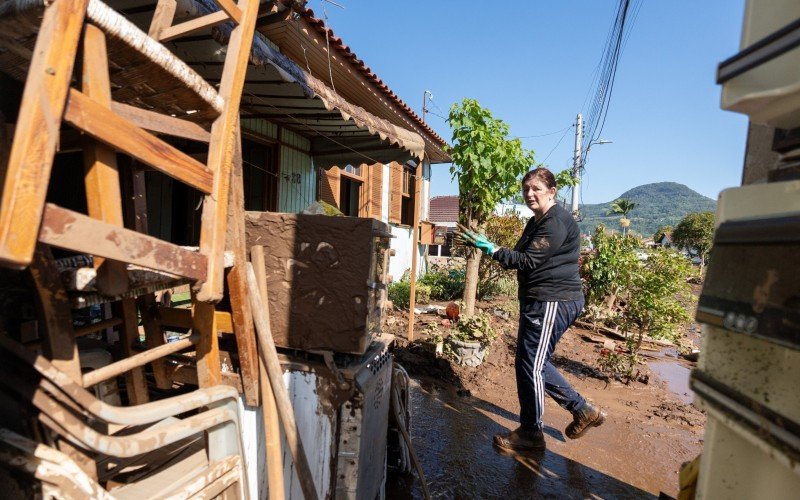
541, 356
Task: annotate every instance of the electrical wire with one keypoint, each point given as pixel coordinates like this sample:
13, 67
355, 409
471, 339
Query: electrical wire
559, 142
542, 135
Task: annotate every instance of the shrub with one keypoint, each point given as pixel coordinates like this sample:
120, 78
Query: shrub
642, 297
445, 283
475, 328
400, 291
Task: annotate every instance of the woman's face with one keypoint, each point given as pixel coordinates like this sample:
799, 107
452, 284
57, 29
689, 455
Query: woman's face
538, 197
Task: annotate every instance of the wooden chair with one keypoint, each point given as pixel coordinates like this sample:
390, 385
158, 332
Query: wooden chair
166, 445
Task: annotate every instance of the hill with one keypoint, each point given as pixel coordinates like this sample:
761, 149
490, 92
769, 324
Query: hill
658, 204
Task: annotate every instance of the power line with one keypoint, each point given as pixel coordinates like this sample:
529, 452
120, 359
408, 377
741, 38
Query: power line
559, 142
542, 135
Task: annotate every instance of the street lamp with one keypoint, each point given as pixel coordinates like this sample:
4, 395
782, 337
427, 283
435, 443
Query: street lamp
580, 160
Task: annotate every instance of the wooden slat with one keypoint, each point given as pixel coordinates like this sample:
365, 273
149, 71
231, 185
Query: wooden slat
77, 232
162, 124
37, 130
103, 196
220, 153
329, 186
162, 17
209, 371
135, 383
395, 192
193, 26
231, 9
241, 315
104, 125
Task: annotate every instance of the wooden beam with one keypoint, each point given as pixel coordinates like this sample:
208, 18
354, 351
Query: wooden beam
135, 383
414, 251
37, 130
160, 123
231, 9
193, 26
220, 153
153, 337
241, 315
77, 232
162, 17
103, 196
104, 125
272, 433
179, 317
274, 18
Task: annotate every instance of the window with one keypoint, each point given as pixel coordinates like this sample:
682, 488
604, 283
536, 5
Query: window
349, 191
350, 169
260, 176
407, 203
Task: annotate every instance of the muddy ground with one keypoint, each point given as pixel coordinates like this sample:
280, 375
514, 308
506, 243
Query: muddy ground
649, 432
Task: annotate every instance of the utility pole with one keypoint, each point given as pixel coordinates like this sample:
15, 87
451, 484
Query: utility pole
576, 165
425, 104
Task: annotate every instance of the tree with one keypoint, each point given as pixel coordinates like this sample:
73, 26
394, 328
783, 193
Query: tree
488, 165
695, 232
623, 206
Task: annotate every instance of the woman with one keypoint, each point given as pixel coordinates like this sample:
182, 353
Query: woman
550, 299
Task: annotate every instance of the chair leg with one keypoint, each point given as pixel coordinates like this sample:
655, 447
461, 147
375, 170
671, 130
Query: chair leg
37, 130
129, 333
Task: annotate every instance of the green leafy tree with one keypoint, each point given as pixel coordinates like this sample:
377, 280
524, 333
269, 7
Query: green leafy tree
623, 206
695, 232
488, 165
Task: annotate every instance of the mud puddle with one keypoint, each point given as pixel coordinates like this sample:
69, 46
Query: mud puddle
453, 439
675, 375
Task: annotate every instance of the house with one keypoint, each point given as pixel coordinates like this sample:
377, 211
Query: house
444, 213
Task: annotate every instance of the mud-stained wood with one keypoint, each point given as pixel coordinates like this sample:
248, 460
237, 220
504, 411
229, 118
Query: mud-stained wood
205, 327
270, 412
37, 130
103, 196
269, 356
73, 231
162, 17
119, 133
178, 317
162, 124
220, 153
241, 315
193, 26
135, 382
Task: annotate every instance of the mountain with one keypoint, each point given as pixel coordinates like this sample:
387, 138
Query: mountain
657, 204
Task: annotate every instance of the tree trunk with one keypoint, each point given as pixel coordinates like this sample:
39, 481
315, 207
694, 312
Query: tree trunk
471, 281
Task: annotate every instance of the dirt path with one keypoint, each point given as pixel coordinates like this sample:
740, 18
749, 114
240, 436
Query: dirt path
457, 410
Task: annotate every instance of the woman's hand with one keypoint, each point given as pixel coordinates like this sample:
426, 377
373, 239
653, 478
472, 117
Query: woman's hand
475, 239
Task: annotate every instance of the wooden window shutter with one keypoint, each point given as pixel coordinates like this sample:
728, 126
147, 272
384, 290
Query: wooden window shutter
376, 190
329, 186
395, 192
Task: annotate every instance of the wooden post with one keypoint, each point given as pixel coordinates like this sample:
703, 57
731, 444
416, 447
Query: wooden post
271, 424
241, 315
269, 355
103, 197
412, 299
204, 324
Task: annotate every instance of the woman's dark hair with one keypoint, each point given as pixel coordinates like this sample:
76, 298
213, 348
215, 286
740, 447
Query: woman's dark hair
541, 174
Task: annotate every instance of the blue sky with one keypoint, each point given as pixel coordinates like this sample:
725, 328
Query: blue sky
532, 64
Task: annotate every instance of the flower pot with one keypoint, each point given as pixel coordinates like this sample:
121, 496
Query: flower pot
467, 353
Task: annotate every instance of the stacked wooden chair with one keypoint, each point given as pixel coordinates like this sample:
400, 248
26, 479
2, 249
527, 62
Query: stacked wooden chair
129, 90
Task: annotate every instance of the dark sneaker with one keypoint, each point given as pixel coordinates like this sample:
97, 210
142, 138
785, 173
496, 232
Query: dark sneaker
585, 418
520, 440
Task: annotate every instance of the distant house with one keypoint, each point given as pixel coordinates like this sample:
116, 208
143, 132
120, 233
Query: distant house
665, 241
444, 213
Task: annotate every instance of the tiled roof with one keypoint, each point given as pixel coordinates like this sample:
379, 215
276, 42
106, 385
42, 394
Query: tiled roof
338, 44
443, 209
